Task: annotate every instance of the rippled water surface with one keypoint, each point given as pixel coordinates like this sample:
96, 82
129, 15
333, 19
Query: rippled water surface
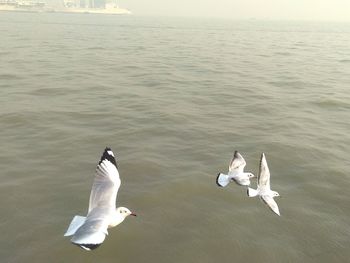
174, 98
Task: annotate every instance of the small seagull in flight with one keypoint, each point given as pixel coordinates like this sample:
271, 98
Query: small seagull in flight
235, 172
89, 232
263, 188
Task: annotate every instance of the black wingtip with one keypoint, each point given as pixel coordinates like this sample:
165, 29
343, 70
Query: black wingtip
88, 246
108, 155
217, 180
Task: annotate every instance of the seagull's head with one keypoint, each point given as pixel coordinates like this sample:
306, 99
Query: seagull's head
274, 194
124, 212
250, 175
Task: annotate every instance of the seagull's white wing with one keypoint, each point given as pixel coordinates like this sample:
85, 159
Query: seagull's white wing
271, 203
237, 163
264, 174
106, 184
94, 230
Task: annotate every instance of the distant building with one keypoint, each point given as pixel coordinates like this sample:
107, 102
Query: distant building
69, 6
85, 3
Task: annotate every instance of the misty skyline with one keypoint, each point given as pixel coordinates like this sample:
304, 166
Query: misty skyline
325, 10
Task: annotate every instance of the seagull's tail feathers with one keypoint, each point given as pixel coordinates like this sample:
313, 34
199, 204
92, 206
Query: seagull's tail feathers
252, 192
222, 180
77, 222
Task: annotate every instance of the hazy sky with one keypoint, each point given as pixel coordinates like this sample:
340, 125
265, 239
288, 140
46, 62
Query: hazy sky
238, 9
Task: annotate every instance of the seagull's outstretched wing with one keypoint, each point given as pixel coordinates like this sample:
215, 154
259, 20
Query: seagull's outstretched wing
264, 174
271, 203
237, 163
94, 230
106, 184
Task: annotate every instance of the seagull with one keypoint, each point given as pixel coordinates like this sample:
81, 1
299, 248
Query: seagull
263, 189
235, 172
89, 232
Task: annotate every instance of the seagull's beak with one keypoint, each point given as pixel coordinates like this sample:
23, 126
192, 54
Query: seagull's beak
132, 214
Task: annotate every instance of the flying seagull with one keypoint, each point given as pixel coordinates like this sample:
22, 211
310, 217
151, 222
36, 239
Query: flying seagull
235, 172
89, 232
263, 189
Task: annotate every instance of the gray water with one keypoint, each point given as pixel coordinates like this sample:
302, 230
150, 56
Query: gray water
174, 98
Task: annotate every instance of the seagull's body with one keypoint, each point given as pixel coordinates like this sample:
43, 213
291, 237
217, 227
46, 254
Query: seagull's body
235, 172
263, 189
89, 232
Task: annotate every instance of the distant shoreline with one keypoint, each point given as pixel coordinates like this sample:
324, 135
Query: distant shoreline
34, 9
